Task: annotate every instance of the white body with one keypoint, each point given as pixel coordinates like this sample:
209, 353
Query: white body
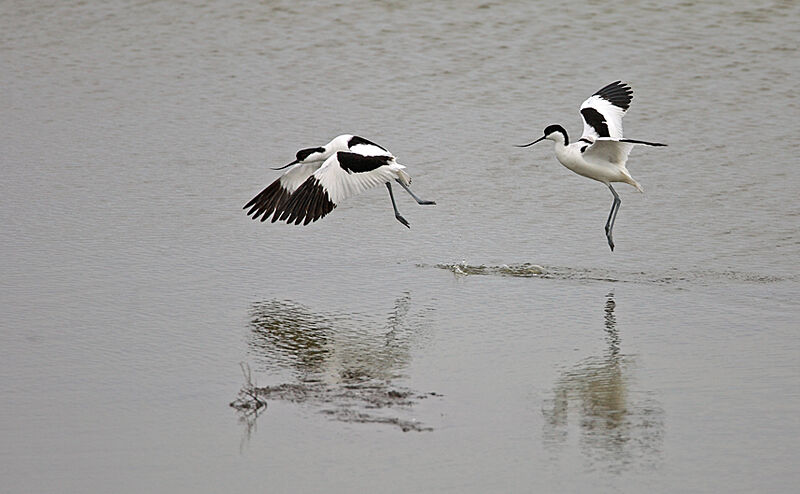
603, 161
317, 162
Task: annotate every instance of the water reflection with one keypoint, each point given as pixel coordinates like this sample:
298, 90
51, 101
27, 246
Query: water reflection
617, 425
342, 364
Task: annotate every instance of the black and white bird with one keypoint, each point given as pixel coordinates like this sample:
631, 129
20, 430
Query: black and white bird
322, 177
601, 152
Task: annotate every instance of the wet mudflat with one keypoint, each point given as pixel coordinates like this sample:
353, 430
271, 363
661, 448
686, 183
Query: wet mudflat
496, 346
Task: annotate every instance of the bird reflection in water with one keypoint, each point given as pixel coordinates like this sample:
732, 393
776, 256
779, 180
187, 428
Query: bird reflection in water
618, 425
342, 364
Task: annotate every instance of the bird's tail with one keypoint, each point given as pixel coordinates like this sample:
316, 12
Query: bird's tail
629, 180
402, 175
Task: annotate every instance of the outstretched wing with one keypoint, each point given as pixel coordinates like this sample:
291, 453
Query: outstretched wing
602, 113
342, 175
606, 150
275, 196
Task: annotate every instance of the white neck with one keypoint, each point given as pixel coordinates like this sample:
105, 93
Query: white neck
339, 143
563, 153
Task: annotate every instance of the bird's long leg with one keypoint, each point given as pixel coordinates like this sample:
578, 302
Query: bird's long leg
396, 212
612, 216
419, 201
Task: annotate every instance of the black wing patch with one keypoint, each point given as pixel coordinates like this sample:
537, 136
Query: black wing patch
596, 120
617, 93
356, 140
357, 163
310, 202
271, 199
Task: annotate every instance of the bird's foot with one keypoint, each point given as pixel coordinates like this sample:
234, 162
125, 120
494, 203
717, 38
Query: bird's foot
611, 242
610, 238
402, 220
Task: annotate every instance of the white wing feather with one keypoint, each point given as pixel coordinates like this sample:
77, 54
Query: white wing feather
341, 184
297, 174
611, 113
602, 112
608, 151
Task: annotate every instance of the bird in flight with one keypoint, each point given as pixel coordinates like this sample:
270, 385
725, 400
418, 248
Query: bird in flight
601, 152
320, 178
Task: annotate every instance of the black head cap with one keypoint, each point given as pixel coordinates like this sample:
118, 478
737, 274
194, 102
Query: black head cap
557, 128
305, 153
554, 128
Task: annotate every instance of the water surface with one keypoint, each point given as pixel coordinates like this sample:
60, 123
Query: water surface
495, 346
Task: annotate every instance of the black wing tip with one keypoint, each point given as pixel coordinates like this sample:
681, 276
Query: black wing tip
307, 204
269, 200
618, 86
617, 93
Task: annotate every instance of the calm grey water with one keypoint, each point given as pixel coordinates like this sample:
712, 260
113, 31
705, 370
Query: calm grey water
496, 346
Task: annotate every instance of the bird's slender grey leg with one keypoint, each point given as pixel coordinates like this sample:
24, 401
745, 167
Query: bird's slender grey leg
612, 216
419, 201
396, 212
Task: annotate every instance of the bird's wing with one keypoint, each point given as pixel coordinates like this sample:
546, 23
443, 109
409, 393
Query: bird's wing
608, 151
275, 196
342, 175
365, 147
611, 150
602, 113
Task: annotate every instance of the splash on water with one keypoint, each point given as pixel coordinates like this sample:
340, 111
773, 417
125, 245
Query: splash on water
670, 276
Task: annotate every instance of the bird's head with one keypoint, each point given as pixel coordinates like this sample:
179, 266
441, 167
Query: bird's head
311, 154
308, 155
553, 132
